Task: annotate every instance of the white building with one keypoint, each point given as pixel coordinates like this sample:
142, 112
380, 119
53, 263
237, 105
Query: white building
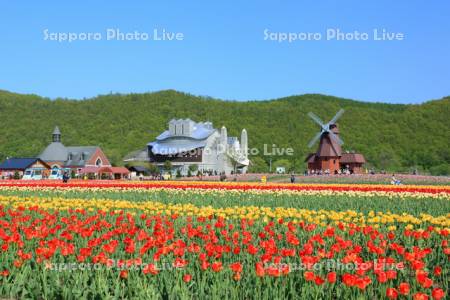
187, 143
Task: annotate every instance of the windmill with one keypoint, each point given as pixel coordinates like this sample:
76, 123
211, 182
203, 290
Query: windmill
326, 159
326, 128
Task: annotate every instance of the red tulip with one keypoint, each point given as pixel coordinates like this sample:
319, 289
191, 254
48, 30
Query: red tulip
391, 274
124, 274
426, 283
364, 282
17, 263
391, 293
236, 267
438, 294
318, 280
331, 277
309, 276
252, 249
111, 246
404, 288
150, 269
204, 265
259, 268
237, 276
437, 271
382, 277
420, 296
180, 263
187, 277
349, 279
216, 266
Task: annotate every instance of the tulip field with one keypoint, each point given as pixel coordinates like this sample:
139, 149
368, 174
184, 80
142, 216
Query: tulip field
209, 240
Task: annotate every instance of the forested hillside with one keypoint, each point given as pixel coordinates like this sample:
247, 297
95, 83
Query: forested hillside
392, 137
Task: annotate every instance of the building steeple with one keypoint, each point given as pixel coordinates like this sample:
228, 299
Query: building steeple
56, 135
224, 136
244, 143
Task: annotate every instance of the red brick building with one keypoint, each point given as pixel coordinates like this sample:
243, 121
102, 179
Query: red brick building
353, 162
74, 157
329, 158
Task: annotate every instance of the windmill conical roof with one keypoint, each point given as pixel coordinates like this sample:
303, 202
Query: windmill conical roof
328, 147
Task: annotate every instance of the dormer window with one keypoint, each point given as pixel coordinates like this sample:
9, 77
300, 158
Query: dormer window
70, 156
98, 162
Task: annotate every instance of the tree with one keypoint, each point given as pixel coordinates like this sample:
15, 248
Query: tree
298, 165
168, 166
388, 160
414, 135
153, 169
114, 157
283, 163
258, 165
440, 170
193, 168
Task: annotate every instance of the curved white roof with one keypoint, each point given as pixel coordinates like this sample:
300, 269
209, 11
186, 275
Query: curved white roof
168, 143
176, 145
200, 131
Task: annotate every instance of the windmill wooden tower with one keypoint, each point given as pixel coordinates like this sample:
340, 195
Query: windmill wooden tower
328, 155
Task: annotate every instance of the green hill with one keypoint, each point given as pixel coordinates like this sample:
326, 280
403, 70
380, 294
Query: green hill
391, 136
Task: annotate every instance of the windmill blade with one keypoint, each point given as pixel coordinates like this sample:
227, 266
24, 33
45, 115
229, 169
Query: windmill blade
336, 138
336, 116
316, 118
314, 140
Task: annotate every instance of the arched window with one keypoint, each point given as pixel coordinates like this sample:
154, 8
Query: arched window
98, 162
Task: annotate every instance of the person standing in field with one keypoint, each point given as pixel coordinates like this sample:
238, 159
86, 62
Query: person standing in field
65, 177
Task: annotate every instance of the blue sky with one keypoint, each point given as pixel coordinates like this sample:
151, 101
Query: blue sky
224, 54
